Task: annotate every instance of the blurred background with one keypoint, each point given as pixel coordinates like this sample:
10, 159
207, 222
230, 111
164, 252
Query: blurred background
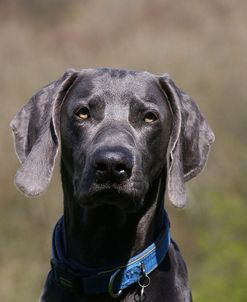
203, 46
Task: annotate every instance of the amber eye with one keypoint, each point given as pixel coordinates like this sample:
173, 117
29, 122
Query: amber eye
150, 117
83, 113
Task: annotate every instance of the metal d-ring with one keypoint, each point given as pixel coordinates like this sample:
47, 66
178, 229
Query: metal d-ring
111, 283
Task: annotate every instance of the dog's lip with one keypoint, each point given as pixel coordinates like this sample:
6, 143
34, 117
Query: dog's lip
111, 195
111, 192
128, 192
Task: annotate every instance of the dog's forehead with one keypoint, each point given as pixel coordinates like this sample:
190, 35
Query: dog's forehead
116, 84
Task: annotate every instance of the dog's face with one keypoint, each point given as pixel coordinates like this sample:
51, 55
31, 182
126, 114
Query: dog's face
115, 129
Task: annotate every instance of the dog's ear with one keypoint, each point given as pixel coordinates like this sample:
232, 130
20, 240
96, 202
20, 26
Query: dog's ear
36, 135
190, 141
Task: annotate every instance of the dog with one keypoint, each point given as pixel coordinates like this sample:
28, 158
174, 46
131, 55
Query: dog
126, 139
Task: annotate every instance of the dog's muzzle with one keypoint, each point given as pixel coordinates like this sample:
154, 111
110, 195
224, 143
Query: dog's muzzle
111, 178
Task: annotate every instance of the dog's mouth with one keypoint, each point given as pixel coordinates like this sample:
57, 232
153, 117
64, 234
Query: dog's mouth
123, 197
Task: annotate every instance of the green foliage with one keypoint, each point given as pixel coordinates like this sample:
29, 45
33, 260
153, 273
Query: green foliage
220, 269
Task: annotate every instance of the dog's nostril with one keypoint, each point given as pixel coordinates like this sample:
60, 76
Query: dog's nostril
121, 168
102, 167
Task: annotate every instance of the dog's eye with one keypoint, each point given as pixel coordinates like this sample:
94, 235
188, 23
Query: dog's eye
83, 113
150, 117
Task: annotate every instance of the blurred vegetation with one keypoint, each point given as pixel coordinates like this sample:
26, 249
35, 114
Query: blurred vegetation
203, 45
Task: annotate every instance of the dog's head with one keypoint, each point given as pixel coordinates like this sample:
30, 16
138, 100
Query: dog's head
117, 130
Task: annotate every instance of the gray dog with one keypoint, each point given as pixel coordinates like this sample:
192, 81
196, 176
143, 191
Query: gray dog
126, 137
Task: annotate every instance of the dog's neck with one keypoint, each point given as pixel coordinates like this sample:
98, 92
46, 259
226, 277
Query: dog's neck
105, 236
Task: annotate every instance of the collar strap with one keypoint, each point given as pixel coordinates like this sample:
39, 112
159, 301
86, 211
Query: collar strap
72, 275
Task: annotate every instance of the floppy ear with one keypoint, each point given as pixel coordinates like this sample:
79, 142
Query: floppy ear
190, 141
36, 135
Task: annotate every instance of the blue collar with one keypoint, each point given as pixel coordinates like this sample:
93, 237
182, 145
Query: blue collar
70, 274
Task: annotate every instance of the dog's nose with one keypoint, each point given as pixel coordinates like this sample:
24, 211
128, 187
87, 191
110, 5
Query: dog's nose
112, 165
